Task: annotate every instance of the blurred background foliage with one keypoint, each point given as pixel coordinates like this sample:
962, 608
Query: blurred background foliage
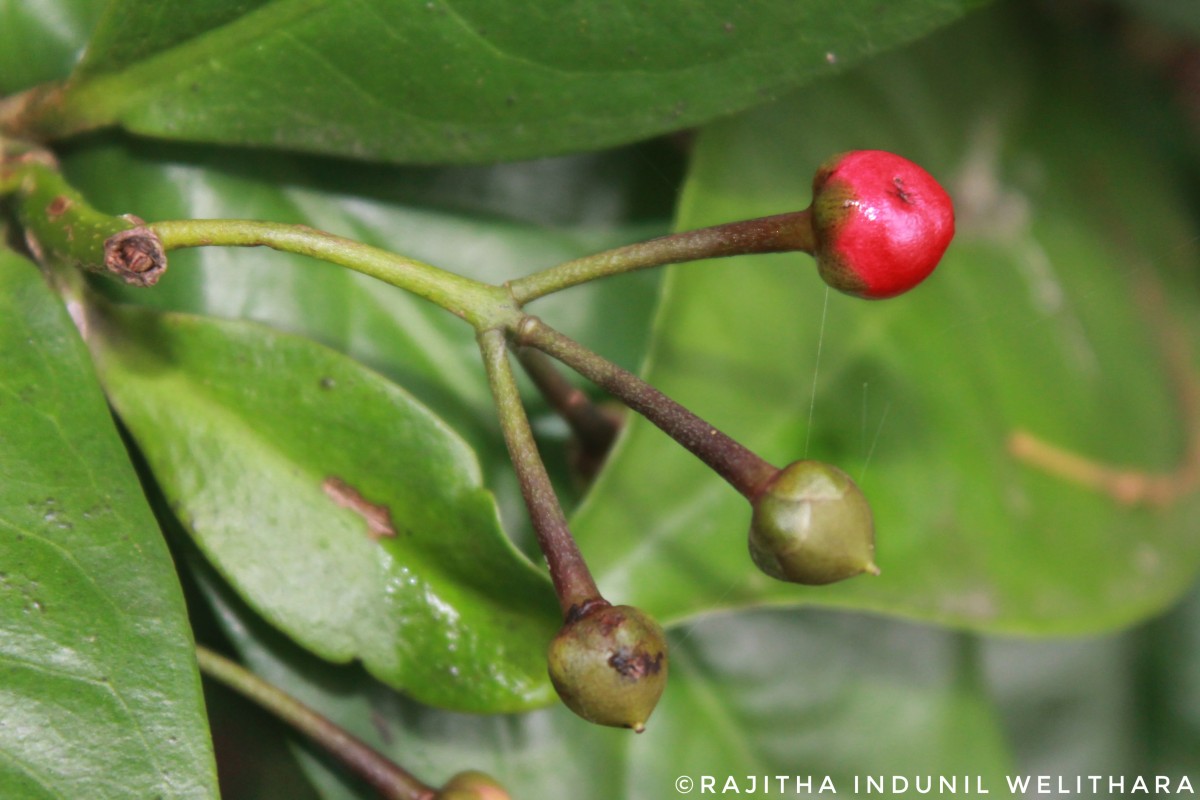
1024, 623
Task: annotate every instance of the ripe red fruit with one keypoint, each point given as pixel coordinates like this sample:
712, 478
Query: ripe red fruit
881, 223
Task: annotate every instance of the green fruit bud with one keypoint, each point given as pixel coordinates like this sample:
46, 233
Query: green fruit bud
610, 666
812, 525
472, 785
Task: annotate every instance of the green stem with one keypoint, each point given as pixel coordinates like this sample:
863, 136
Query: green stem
737, 464
61, 226
385, 776
483, 305
593, 428
39, 113
573, 581
775, 234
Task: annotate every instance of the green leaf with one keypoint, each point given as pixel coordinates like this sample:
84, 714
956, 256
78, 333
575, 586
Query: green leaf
1030, 323
1168, 652
345, 512
1121, 705
1070, 706
767, 693
130, 32
100, 695
460, 81
40, 40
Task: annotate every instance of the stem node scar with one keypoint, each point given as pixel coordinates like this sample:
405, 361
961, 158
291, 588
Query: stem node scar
136, 255
57, 206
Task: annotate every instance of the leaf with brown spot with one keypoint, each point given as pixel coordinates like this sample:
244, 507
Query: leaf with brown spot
378, 517
243, 428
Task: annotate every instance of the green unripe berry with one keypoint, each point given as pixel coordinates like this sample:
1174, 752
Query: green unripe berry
610, 666
472, 785
812, 525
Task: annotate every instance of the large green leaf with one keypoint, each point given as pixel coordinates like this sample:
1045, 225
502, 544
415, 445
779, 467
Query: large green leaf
345, 512
99, 694
766, 694
1029, 323
467, 80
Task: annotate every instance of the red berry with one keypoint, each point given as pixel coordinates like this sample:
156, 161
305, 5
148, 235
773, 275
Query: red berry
881, 223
